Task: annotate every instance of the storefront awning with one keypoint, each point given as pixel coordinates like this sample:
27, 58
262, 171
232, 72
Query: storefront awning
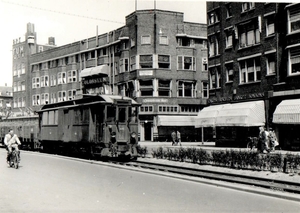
99, 70
287, 112
207, 116
175, 120
244, 114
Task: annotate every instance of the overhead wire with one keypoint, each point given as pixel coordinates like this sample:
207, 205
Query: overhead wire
60, 12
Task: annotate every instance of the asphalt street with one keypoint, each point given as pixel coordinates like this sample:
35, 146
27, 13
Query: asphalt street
47, 183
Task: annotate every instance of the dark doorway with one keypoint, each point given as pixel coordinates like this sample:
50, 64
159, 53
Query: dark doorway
147, 131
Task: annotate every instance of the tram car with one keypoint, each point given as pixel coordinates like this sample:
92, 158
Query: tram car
26, 127
100, 125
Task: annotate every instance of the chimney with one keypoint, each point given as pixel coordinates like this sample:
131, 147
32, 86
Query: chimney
51, 41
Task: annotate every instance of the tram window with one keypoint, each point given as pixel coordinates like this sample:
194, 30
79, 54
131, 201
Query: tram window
111, 113
122, 114
45, 118
76, 116
51, 117
132, 114
84, 115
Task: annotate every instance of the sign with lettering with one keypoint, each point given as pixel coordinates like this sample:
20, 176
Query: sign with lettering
145, 72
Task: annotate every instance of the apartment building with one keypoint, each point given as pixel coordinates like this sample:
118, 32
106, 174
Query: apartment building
247, 62
156, 58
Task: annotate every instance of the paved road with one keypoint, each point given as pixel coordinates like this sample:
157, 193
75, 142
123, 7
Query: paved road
46, 183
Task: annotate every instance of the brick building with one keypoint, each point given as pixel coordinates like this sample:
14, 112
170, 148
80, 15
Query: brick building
253, 65
156, 58
6, 98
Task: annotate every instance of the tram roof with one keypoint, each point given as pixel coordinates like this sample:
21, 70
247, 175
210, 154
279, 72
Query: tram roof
89, 100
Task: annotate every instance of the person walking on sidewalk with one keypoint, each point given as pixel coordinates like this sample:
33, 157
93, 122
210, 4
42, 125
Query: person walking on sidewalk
178, 137
173, 136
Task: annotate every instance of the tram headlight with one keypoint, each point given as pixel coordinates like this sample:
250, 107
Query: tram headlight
133, 134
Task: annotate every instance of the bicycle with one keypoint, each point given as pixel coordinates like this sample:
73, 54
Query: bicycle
14, 159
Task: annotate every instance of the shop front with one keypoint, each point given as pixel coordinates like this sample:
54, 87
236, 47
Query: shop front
234, 123
286, 120
184, 124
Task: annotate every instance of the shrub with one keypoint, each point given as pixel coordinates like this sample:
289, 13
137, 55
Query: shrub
142, 151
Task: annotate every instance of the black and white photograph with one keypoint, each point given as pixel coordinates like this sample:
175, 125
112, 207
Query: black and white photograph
149, 106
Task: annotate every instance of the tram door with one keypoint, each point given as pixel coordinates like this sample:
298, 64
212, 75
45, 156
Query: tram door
147, 131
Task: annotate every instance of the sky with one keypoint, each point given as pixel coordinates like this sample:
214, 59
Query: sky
73, 20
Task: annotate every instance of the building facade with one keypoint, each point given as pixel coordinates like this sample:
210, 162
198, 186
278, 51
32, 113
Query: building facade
253, 66
6, 99
156, 58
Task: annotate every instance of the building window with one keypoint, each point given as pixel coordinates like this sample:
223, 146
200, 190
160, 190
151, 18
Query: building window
164, 61
163, 40
204, 64
229, 72
41, 48
22, 68
190, 108
61, 78
36, 82
294, 61
146, 39
44, 98
15, 87
52, 80
36, 100
71, 94
186, 63
249, 34
246, 6
270, 25
205, 90
146, 108
186, 89
271, 64
167, 108
214, 77
23, 102
250, 70
294, 18
23, 85
132, 42
15, 69
146, 61
62, 96
228, 10
164, 88
228, 38
124, 65
53, 97
132, 63
213, 46
72, 76
45, 81
19, 70
146, 88
19, 86
213, 17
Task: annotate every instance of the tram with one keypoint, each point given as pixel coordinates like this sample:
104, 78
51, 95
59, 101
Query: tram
100, 125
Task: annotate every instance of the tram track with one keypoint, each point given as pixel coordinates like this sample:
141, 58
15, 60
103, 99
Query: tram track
271, 184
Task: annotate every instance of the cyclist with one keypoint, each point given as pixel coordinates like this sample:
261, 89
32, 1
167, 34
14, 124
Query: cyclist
11, 140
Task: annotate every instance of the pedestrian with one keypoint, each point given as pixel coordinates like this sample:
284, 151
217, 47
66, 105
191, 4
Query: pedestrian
264, 140
273, 139
173, 136
178, 137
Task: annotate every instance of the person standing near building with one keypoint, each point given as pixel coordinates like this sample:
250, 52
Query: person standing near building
178, 137
173, 136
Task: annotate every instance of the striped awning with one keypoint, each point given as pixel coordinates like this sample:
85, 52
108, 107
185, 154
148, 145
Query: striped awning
163, 120
287, 112
244, 114
99, 70
207, 116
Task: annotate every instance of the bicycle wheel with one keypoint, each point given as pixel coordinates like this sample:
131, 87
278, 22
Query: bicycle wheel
16, 161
